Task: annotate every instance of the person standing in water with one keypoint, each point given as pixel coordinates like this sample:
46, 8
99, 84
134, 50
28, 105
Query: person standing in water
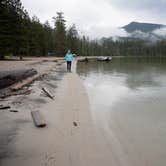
69, 59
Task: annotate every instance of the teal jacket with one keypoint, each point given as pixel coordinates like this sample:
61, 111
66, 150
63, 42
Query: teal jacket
69, 57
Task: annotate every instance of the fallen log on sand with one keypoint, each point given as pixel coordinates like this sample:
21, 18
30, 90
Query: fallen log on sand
48, 93
27, 81
4, 107
23, 83
17, 88
9, 92
15, 111
84, 60
38, 119
7, 78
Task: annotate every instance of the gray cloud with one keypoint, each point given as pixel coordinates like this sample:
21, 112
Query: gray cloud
99, 17
155, 5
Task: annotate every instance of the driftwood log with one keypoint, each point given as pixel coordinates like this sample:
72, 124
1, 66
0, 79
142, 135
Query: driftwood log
4, 107
23, 83
38, 119
7, 78
48, 93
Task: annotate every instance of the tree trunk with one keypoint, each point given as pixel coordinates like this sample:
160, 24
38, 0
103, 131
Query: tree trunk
8, 78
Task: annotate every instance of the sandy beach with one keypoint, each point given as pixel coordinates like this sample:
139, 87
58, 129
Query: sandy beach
82, 86
66, 139
70, 138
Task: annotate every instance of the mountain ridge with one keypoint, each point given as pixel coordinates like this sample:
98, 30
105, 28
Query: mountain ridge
143, 27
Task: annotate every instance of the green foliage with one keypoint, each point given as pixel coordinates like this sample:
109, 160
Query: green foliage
60, 34
72, 39
21, 35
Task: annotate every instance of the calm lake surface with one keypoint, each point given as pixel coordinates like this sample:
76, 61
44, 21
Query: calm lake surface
128, 103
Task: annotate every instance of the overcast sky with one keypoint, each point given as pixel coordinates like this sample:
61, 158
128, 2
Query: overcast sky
97, 18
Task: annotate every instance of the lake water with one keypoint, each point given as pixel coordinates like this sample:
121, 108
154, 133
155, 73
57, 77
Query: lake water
128, 106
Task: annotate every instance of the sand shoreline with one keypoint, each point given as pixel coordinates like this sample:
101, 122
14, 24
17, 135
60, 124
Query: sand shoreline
70, 138
68, 117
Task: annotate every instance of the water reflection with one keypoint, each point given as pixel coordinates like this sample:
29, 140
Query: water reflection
127, 97
137, 72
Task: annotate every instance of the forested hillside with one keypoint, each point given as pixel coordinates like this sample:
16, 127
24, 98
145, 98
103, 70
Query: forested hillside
21, 35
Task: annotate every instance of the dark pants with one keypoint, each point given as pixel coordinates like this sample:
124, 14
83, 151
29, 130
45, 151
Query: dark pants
68, 65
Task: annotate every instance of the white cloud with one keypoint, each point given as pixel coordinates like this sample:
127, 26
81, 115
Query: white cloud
160, 32
151, 5
100, 31
97, 17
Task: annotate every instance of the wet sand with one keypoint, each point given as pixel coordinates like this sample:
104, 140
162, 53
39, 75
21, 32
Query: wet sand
70, 138
73, 137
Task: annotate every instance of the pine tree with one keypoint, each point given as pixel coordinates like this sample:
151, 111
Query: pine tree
5, 28
48, 38
72, 39
60, 34
12, 27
